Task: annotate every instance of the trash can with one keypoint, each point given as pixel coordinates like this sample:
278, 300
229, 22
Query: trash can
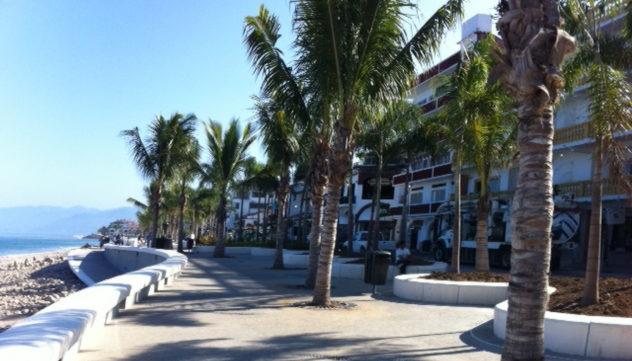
376, 267
163, 243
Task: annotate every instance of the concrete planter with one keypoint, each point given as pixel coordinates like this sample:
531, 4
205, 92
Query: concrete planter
589, 336
412, 287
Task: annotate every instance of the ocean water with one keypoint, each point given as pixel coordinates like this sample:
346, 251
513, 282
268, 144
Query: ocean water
26, 245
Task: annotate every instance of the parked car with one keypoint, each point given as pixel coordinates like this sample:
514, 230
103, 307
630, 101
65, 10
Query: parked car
361, 238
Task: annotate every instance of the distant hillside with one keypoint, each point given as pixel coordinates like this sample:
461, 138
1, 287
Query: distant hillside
58, 221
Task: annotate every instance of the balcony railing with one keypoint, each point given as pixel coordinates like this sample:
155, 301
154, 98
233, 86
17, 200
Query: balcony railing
573, 133
576, 189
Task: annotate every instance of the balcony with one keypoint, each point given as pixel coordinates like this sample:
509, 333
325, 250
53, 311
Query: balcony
582, 189
573, 133
576, 189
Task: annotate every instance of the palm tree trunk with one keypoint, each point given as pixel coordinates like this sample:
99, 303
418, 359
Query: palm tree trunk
531, 221
456, 229
221, 227
301, 214
339, 163
350, 214
265, 219
482, 213
155, 205
591, 280
284, 189
183, 200
403, 230
241, 216
319, 179
378, 196
369, 242
258, 223
535, 47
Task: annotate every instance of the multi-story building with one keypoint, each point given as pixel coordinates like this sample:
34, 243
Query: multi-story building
431, 180
420, 209
363, 188
250, 207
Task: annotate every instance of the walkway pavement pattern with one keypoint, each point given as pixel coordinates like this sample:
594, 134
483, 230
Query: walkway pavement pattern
240, 309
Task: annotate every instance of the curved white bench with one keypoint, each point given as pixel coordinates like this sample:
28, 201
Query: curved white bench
590, 336
58, 331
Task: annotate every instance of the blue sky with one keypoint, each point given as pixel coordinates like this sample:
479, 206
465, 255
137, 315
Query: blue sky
74, 73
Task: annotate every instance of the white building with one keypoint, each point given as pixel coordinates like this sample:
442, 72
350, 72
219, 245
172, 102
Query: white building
431, 181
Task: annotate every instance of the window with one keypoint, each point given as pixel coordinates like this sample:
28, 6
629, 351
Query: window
438, 193
387, 192
236, 205
417, 196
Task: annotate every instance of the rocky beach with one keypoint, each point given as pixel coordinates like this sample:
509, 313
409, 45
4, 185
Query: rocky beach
31, 282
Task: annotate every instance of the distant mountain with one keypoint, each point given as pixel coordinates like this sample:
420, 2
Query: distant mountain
58, 221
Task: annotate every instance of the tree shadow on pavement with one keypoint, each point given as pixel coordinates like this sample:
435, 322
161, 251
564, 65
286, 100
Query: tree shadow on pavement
306, 346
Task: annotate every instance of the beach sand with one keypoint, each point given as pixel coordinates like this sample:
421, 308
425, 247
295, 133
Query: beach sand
29, 283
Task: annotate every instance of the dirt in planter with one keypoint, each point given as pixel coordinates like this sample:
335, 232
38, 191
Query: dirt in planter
469, 276
615, 297
615, 293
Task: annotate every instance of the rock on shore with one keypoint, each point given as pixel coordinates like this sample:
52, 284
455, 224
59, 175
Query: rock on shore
32, 282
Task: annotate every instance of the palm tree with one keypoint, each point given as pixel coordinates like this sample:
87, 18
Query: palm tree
610, 97
158, 157
143, 215
378, 141
354, 53
203, 199
261, 34
534, 48
244, 185
228, 155
184, 175
417, 139
281, 144
479, 112
471, 102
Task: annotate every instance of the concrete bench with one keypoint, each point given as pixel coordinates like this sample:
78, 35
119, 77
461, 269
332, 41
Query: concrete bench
60, 330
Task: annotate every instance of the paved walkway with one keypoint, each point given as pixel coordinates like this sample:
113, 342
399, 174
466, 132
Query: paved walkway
240, 309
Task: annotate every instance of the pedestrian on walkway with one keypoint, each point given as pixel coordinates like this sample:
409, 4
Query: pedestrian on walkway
402, 256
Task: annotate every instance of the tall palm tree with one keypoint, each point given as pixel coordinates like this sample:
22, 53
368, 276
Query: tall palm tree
281, 143
158, 157
481, 110
228, 152
185, 174
378, 140
471, 102
493, 142
309, 107
202, 199
143, 215
418, 138
610, 97
354, 52
534, 48
244, 185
